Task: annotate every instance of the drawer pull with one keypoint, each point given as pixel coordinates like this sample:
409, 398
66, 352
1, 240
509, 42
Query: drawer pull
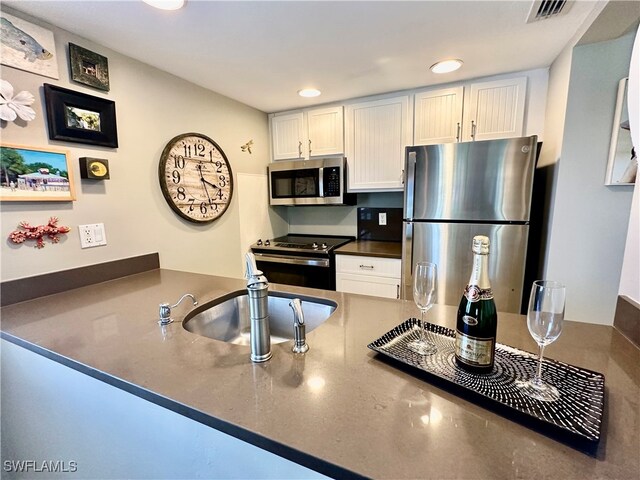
370, 267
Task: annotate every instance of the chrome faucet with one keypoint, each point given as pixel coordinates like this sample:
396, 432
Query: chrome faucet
258, 291
299, 328
165, 309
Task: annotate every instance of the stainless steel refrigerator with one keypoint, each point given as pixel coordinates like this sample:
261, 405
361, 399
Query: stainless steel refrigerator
455, 191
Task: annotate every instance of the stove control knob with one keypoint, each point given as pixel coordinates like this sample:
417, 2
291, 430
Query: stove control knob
314, 245
267, 243
324, 246
259, 242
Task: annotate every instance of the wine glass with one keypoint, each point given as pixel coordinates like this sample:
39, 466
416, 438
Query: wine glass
544, 320
425, 279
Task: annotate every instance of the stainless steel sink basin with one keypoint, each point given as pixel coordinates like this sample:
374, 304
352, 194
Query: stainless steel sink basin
227, 318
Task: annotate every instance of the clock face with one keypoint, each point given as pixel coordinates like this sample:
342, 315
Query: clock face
195, 177
98, 169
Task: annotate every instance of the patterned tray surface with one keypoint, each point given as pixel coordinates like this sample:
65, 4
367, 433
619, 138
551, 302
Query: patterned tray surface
578, 412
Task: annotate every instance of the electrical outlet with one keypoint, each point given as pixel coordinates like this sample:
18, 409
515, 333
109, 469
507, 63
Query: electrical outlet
92, 235
382, 218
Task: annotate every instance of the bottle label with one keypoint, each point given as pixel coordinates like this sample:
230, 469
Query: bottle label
474, 351
473, 293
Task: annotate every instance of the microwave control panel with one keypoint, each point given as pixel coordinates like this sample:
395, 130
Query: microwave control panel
331, 181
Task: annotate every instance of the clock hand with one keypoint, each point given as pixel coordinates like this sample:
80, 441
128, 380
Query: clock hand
199, 167
213, 185
204, 185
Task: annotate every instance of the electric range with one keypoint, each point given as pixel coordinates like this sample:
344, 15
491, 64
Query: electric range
298, 259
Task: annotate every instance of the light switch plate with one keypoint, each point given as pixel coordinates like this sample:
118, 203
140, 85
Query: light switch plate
92, 235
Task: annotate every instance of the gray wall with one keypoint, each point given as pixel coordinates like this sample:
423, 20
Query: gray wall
589, 219
152, 107
53, 414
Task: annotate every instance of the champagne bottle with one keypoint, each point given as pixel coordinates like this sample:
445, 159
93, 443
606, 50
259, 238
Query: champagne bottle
477, 319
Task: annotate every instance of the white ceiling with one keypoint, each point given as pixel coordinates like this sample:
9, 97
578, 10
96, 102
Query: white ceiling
261, 53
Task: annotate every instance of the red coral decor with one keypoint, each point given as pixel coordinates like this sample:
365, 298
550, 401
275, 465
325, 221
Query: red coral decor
28, 232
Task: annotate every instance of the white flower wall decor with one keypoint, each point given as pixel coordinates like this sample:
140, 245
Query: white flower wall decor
12, 106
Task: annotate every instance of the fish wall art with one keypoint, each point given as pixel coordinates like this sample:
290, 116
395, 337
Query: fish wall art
27, 46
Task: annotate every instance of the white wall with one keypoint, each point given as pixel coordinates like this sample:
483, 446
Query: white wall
257, 220
152, 107
51, 413
589, 221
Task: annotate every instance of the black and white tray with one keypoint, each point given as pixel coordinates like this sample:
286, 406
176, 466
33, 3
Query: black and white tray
576, 417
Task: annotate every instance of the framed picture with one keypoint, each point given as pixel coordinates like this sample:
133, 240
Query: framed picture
78, 117
88, 67
28, 47
622, 166
33, 174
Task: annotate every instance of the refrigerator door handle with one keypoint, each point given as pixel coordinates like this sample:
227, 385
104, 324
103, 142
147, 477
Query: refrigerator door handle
410, 173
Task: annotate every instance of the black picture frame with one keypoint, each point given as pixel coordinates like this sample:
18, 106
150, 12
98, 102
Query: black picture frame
80, 118
88, 68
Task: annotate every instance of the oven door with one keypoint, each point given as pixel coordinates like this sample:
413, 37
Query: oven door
301, 271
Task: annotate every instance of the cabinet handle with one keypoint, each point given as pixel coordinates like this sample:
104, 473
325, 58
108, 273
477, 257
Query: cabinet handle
300, 149
370, 267
309, 146
458, 133
397, 291
473, 130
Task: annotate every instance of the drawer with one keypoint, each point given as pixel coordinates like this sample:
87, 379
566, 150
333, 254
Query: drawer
368, 285
370, 266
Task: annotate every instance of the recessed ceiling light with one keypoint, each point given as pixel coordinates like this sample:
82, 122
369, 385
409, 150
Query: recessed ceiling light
446, 66
309, 92
165, 4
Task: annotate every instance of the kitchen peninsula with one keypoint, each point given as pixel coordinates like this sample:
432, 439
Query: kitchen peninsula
339, 410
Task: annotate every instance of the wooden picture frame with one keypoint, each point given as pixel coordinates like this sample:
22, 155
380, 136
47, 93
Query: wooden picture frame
46, 175
77, 117
88, 67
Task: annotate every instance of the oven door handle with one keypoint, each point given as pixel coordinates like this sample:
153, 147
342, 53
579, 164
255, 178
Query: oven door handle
293, 260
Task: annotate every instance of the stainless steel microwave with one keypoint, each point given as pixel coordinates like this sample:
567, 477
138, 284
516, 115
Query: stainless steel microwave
309, 182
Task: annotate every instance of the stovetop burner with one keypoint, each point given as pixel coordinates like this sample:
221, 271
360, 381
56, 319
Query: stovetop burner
293, 242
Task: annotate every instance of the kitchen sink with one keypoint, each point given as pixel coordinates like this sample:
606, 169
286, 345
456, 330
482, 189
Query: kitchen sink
227, 318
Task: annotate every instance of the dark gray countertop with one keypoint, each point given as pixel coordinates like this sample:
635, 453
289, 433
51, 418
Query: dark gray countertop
363, 416
371, 248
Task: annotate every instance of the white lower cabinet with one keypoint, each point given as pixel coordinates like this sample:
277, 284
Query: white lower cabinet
375, 276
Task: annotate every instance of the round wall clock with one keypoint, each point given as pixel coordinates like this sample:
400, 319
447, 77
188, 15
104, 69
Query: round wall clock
195, 177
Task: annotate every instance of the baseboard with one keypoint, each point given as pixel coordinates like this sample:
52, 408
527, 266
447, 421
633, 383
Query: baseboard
627, 319
28, 288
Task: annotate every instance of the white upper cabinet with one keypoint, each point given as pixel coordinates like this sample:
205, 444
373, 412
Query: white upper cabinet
307, 134
287, 136
478, 111
495, 109
326, 131
438, 116
376, 134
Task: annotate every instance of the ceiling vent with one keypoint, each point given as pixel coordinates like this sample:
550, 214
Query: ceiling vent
544, 9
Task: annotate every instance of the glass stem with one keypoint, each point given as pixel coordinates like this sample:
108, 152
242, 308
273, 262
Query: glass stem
422, 329
538, 378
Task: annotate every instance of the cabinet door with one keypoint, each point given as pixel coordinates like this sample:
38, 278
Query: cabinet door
326, 131
365, 285
438, 116
495, 109
287, 136
376, 134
